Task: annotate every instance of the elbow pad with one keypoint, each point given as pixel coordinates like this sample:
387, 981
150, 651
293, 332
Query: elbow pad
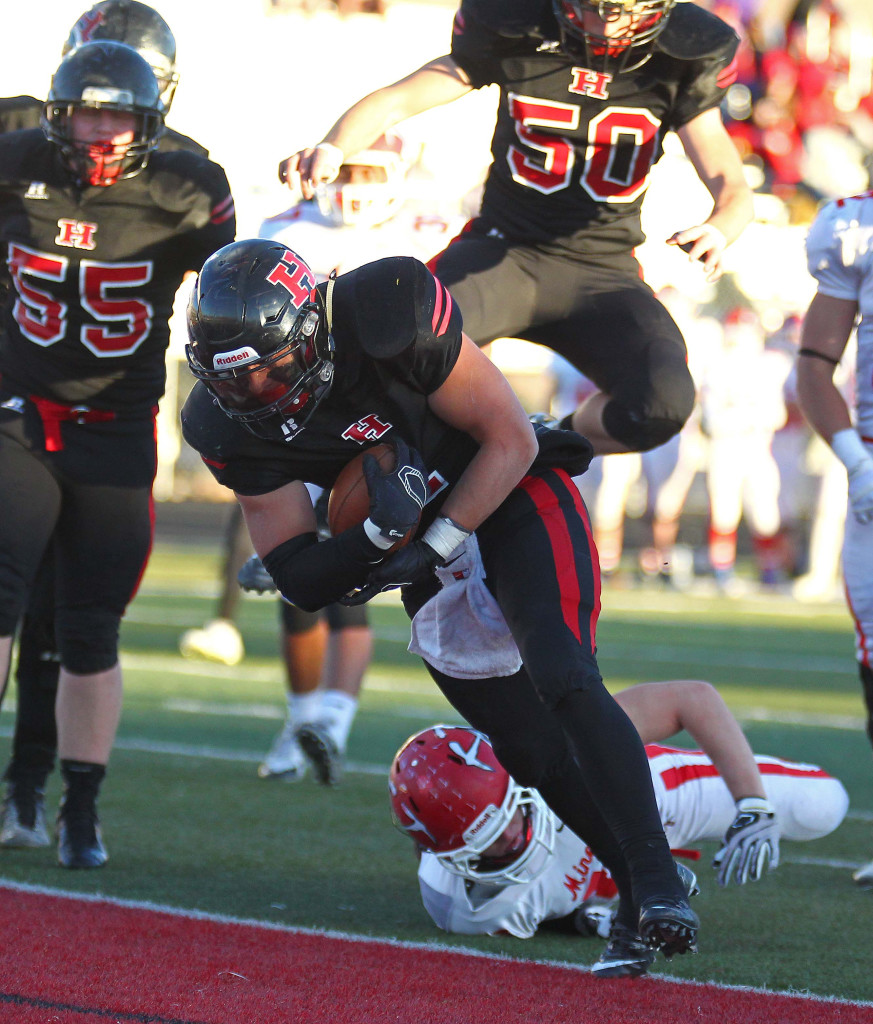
311, 575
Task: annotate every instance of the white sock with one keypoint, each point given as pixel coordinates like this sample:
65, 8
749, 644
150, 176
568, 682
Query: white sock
338, 711
304, 707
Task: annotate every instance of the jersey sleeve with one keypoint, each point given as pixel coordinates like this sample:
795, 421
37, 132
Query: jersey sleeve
709, 46
833, 250
186, 183
408, 318
483, 32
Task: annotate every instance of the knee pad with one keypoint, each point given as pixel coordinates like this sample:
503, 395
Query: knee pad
295, 620
639, 431
87, 639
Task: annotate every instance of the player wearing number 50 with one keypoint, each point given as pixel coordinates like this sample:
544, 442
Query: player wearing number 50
587, 92
97, 232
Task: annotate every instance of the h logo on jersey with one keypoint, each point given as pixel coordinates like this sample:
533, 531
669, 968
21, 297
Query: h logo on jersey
77, 234
36, 190
590, 83
368, 428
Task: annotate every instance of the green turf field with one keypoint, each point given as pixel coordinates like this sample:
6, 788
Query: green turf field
188, 823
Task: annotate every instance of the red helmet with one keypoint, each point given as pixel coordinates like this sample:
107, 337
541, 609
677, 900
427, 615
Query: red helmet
452, 797
369, 188
606, 50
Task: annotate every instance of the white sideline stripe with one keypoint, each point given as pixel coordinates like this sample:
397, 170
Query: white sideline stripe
269, 711
368, 940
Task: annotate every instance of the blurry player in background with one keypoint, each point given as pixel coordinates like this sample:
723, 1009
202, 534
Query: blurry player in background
525, 867
588, 91
840, 257
98, 229
742, 403
367, 213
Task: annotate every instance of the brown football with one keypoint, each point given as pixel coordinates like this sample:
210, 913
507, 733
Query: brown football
349, 500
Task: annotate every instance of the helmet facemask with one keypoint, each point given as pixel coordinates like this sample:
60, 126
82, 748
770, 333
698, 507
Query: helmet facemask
288, 383
100, 162
611, 36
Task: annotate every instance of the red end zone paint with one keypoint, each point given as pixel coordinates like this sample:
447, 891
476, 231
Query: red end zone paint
85, 961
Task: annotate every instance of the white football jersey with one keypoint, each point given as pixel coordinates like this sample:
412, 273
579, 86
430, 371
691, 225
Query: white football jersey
695, 805
839, 253
326, 246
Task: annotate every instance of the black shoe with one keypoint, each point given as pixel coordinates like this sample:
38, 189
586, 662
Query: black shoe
669, 924
319, 747
22, 816
626, 955
80, 844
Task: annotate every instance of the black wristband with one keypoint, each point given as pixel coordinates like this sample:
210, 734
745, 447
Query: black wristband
818, 355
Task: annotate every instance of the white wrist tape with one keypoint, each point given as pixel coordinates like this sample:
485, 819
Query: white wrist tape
374, 534
755, 805
850, 449
444, 535
333, 153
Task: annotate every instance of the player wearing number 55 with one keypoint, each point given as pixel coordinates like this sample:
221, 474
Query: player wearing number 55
97, 231
588, 91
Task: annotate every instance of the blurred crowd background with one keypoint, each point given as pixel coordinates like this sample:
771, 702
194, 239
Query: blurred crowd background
745, 499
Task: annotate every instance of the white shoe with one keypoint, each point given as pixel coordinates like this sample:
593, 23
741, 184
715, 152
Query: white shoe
864, 876
285, 759
218, 640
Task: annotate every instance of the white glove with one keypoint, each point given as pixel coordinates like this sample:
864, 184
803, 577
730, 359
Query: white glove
850, 450
751, 845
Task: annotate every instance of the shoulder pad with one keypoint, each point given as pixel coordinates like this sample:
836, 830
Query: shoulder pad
692, 32
172, 140
181, 180
512, 19
385, 298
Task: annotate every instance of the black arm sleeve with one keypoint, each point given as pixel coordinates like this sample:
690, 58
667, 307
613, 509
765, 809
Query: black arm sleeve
312, 575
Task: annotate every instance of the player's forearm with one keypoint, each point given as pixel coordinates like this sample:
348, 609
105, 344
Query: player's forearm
706, 718
819, 398
732, 211
494, 471
432, 85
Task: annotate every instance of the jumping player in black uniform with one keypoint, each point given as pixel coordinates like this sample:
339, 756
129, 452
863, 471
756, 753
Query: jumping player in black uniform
34, 742
587, 92
296, 379
98, 230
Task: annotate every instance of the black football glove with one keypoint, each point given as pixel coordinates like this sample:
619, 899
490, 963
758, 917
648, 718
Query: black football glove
254, 577
751, 845
396, 498
412, 564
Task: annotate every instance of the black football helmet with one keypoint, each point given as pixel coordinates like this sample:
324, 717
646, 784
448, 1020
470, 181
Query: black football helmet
259, 337
138, 25
109, 76
608, 52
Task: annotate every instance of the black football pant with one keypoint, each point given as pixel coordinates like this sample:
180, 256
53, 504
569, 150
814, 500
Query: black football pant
595, 312
87, 504
554, 725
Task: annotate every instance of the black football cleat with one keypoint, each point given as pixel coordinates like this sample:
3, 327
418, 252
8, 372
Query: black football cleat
22, 815
668, 924
323, 753
626, 955
80, 844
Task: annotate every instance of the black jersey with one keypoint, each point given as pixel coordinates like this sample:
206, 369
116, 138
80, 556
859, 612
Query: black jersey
573, 148
93, 272
19, 112
395, 345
